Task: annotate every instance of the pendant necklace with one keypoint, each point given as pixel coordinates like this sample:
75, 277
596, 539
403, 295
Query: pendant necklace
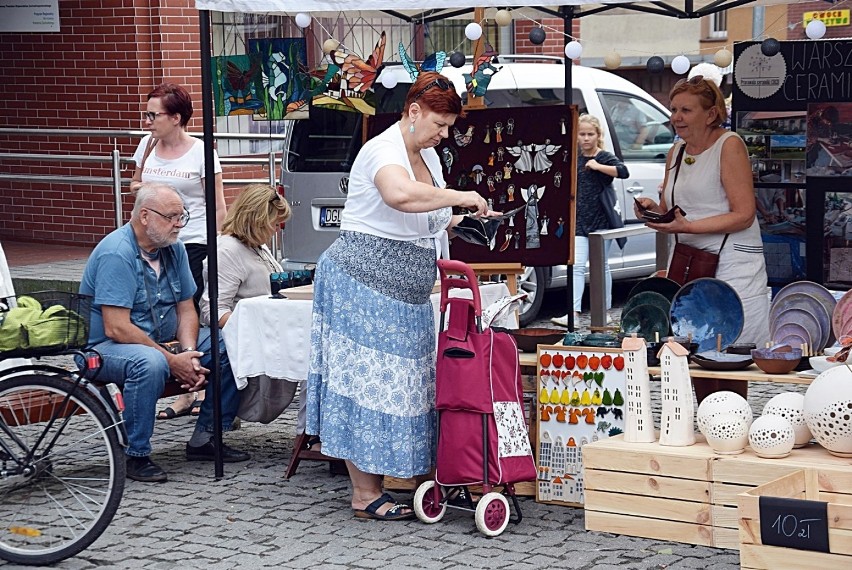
271, 264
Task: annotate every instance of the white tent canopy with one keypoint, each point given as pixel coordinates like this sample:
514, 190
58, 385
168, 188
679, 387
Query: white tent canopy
418, 9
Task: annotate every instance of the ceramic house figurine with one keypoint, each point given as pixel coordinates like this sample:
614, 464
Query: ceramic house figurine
639, 423
677, 415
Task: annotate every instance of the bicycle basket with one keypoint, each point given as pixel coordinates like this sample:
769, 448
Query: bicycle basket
44, 323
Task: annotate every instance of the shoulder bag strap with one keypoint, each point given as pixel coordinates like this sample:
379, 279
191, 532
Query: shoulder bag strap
152, 142
679, 159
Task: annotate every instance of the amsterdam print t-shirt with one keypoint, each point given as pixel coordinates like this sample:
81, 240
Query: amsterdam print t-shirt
185, 175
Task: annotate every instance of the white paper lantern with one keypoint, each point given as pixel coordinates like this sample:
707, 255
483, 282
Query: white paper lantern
815, 29
388, 79
303, 20
503, 17
723, 58
573, 49
612, 60
680, 64
473, 31
330, 45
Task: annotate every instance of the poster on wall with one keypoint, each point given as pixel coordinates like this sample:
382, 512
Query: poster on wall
580, 400
519, 163
829, 141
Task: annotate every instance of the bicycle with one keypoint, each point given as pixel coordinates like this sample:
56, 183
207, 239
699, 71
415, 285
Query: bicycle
62, 464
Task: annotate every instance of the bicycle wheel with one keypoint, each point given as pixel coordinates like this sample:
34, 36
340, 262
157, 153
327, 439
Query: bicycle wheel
62, 469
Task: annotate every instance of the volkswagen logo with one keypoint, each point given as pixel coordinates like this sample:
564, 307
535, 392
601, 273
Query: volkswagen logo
343, 186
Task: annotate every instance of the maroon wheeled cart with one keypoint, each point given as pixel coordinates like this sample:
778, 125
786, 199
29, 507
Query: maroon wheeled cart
482, 434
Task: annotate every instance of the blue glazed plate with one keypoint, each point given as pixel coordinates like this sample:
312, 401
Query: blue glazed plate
705, 308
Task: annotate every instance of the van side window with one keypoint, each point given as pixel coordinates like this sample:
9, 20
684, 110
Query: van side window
534, 97
641, 130
327, 142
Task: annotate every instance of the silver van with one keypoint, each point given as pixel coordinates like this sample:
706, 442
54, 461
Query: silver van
320, 151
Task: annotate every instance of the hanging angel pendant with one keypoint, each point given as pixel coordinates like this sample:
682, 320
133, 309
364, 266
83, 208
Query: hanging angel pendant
500, 152
510, 126
498, 132
557, 179
560, 228
562, 125
543, 230
511, 191
487, 138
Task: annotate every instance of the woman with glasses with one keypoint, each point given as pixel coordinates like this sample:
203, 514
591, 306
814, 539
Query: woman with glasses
170, 156
371, 383
708, 175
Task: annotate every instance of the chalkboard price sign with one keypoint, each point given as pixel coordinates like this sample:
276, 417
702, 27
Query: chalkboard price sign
794, 523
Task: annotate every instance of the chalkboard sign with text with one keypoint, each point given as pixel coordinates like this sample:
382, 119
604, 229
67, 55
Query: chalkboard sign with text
794, 523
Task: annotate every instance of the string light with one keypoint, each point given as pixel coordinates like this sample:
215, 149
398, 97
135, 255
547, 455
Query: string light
680, 64
815, 29
573, 49
303, 20
473, 31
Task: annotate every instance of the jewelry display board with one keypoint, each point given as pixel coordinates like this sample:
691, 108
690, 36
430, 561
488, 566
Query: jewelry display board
581, 399
522, 157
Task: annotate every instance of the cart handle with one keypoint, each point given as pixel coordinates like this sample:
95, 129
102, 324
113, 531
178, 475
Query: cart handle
447, 266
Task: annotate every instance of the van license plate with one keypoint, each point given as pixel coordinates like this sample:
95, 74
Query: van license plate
330, 217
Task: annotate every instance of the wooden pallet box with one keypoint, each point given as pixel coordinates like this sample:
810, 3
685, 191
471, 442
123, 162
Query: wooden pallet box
682, 494
832, 487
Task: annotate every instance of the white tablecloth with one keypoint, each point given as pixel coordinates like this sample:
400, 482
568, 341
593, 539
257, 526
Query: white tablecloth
273, 336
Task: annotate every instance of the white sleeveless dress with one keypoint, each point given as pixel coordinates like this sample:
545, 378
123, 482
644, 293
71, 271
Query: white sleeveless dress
699, 192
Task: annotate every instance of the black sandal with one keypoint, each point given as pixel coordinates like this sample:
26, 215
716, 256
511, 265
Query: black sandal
395, 513
311, 441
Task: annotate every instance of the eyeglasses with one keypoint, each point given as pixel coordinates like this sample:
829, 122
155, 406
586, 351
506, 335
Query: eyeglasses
442, 83
180, 219
276, 198
151, 115
694, 80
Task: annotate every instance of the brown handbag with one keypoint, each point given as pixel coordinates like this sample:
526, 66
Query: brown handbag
690, 263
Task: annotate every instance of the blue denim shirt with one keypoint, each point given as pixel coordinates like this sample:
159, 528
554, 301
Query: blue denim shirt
116, 275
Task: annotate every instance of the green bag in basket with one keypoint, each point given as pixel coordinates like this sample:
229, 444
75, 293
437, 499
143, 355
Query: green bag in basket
13, 333
57, 326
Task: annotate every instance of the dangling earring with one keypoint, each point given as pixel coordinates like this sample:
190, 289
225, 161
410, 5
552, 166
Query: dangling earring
411, 127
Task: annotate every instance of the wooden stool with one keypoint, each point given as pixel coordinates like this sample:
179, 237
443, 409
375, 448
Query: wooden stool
335, 466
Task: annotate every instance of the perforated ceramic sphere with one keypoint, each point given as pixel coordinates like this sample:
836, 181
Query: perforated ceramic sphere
791, 406
723, 402
727, 433
828, 410
771, 436
537, 36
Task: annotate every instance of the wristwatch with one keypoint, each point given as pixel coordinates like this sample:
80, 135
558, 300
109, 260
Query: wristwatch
188, 349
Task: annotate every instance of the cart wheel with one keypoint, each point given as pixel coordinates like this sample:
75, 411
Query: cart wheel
492, 514
425, 507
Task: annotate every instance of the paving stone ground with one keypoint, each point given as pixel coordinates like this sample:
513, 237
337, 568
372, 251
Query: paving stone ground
254, 518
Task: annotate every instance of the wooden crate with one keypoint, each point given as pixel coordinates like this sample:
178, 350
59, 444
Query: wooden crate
683, 494
830, 486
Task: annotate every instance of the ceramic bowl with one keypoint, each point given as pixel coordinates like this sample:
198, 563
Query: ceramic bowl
707, 308
775, 361
741, 348
831, 350
790, 405
821, 363
709, 362
528, 339
771, 436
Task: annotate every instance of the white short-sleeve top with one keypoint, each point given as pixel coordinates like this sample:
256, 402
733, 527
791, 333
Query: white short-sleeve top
367, 212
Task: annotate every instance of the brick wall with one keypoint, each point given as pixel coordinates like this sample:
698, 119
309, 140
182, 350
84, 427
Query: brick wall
554, 41
795, 14
94, 74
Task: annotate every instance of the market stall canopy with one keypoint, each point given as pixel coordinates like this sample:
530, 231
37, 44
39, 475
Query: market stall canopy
428, 10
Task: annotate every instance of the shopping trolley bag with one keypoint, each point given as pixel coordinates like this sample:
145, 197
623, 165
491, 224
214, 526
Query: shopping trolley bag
479, 395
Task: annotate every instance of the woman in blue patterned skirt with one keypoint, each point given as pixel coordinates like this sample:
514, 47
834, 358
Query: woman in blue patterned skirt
371, 385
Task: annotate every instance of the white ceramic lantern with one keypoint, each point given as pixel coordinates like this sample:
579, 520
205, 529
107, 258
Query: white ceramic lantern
771, 436
727, 433
723, 402
828, 410
790, 405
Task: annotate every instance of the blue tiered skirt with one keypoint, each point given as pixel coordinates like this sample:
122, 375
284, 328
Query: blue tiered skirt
371, 382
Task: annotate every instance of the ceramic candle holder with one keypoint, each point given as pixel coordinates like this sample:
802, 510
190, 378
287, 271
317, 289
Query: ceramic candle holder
727, 433
723, 402
828, 410
771, 436
790, 405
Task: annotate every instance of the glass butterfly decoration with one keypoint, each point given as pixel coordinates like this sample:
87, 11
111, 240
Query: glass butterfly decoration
433, 62
359, 74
